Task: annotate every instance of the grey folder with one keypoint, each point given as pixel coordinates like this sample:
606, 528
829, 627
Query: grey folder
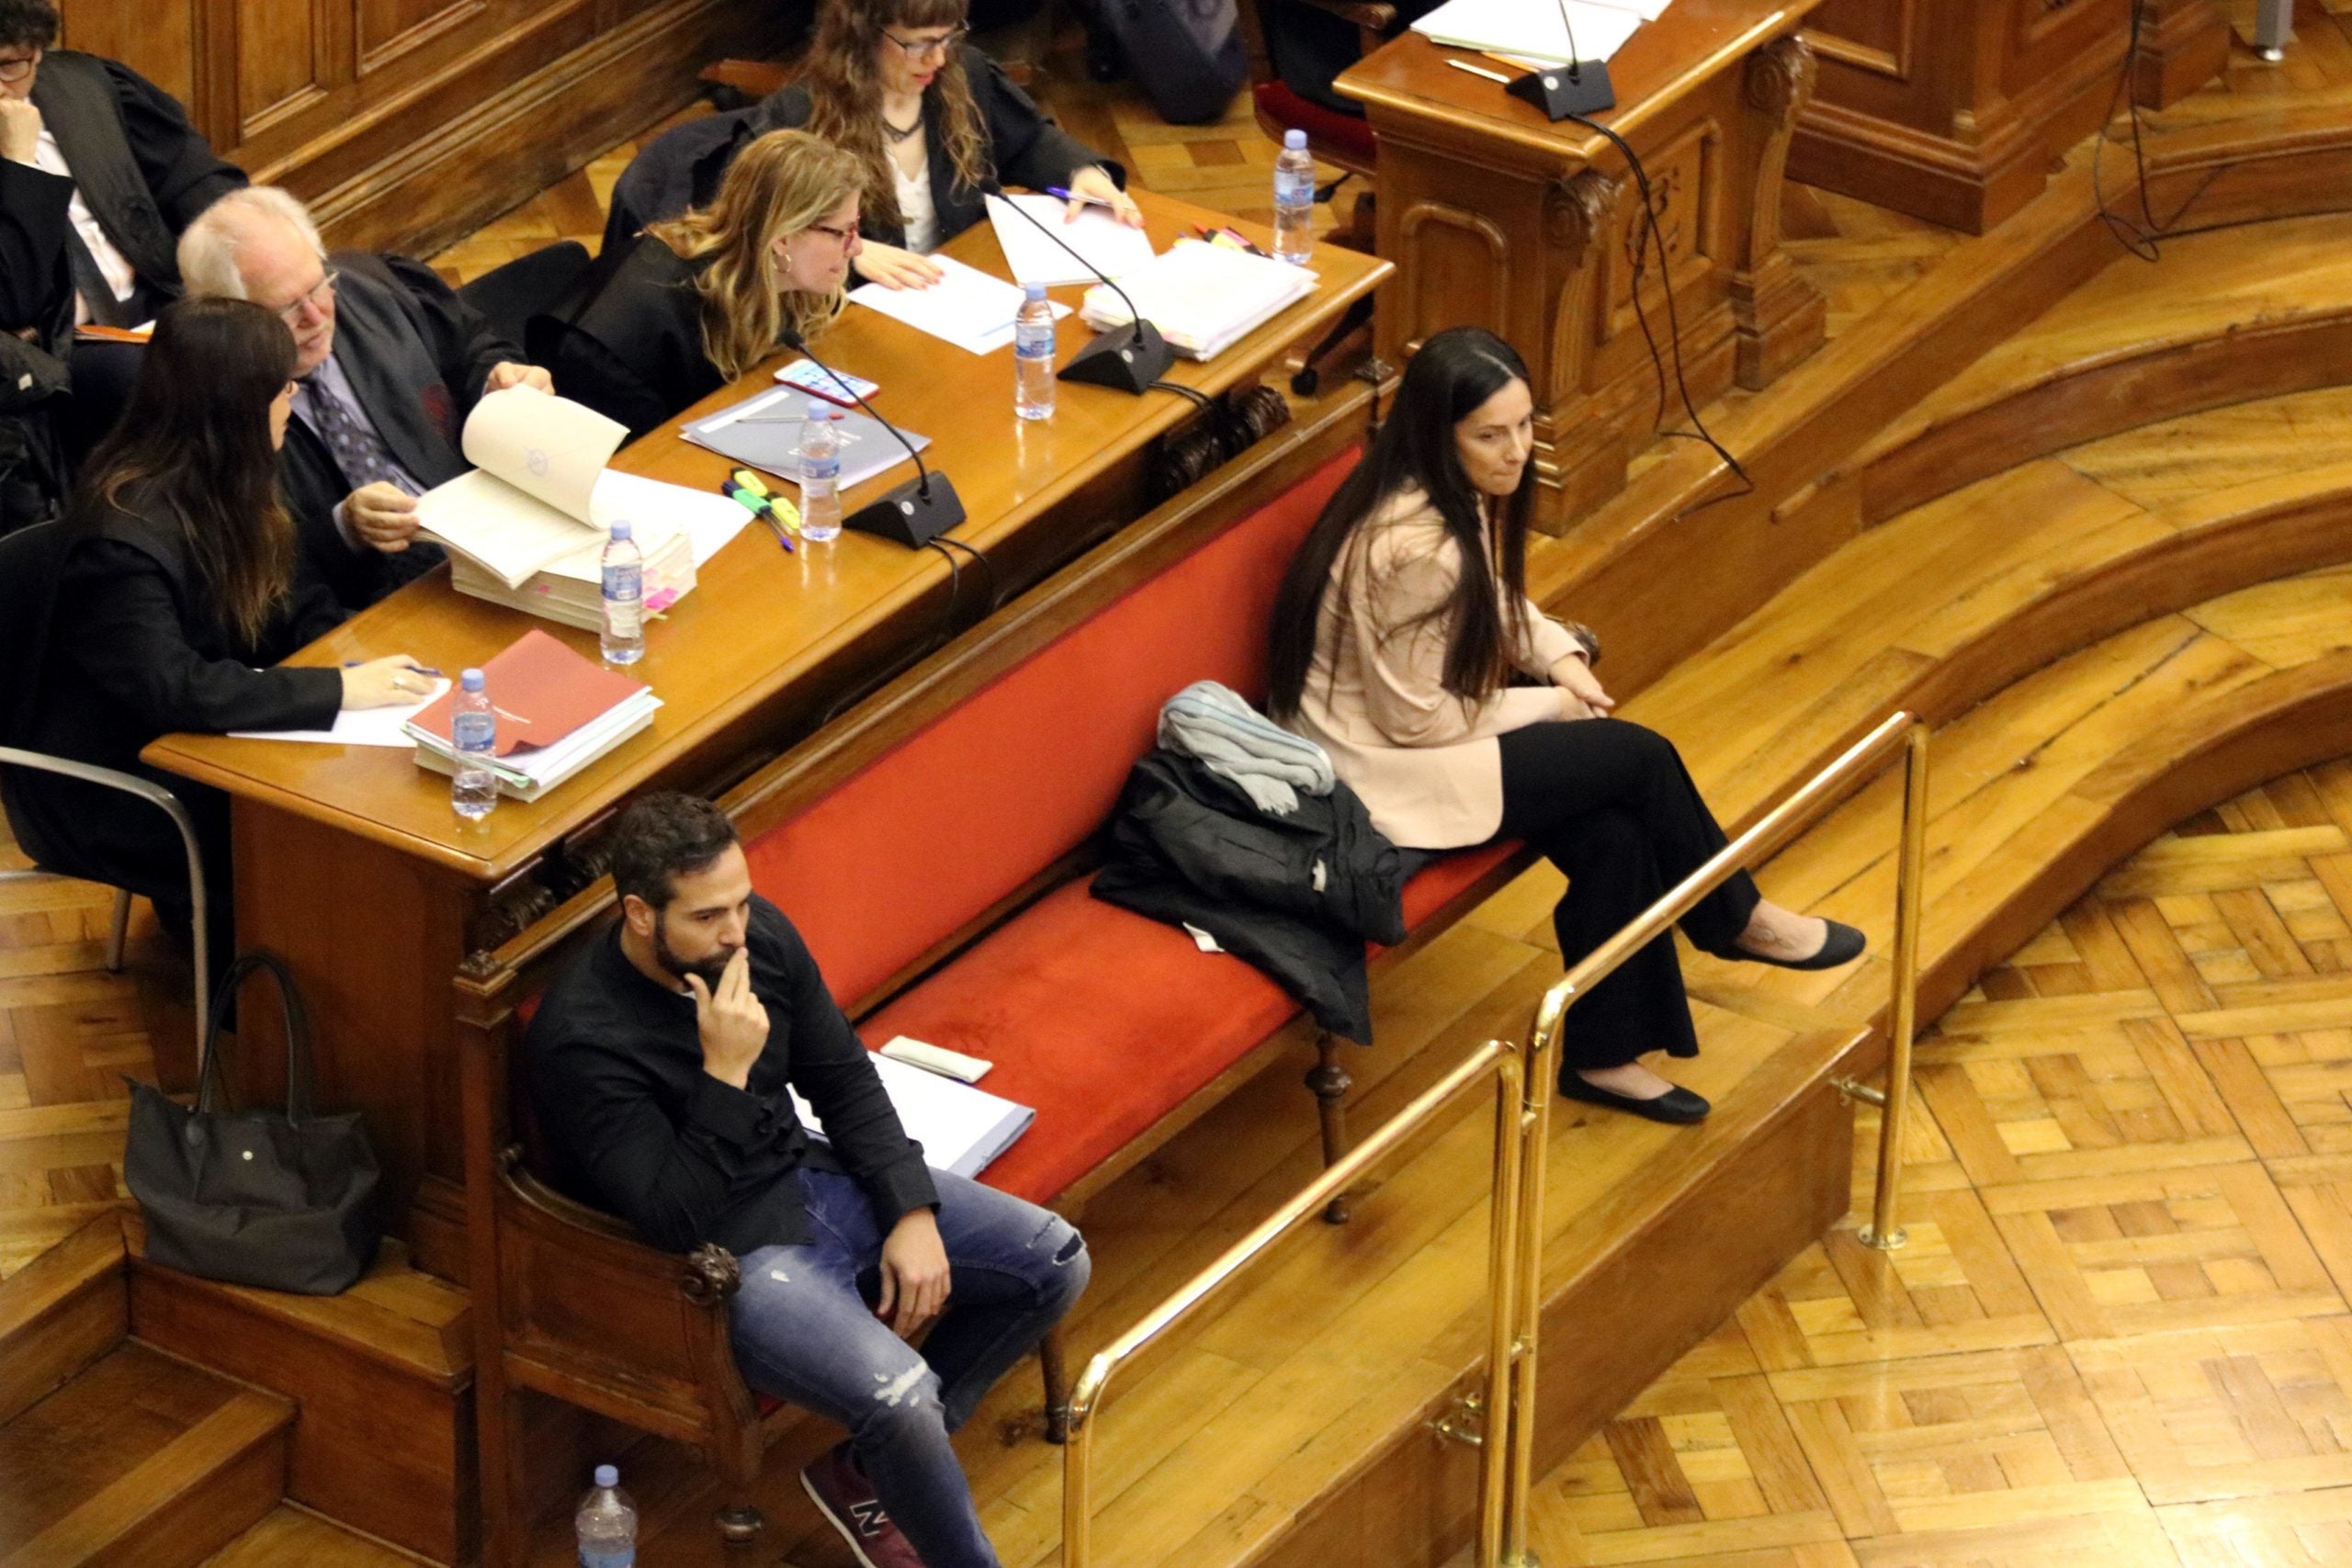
769, 438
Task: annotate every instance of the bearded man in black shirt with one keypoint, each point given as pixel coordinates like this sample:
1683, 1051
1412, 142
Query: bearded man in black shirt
662, 1064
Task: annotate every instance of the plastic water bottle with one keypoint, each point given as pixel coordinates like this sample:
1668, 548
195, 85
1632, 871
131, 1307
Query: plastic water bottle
1032, 354
1294, 200
821, 475
473, 736
624, 634
606, 1524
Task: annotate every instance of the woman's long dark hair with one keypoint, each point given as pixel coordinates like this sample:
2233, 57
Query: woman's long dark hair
196, 438
845, 94
1455, 371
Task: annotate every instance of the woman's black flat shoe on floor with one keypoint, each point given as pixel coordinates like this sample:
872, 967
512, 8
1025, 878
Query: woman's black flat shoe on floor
1677, 1107
1843, 946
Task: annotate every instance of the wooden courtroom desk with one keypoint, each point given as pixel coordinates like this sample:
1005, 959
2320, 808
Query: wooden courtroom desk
351, 864
1498, 217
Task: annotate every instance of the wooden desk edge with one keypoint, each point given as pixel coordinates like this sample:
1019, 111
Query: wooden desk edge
206, 759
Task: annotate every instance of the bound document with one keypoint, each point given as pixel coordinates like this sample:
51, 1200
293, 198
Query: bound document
556, 712
1202, 298
961, 1128
527, 526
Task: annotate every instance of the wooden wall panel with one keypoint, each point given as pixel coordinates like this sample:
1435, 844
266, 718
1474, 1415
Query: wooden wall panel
155, 37
405, 123
1871, 35
283, 61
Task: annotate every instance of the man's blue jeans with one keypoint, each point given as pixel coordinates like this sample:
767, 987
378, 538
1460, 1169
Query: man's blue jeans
804, 1331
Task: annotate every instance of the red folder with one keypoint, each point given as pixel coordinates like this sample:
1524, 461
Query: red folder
542, 692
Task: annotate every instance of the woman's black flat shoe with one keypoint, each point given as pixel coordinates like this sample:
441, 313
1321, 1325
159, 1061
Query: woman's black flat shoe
1843, 946
1677, 1107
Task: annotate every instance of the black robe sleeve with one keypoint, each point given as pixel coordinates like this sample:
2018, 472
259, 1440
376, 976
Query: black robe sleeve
1028, 148
128, 638
465, 345
33, 226
182, 174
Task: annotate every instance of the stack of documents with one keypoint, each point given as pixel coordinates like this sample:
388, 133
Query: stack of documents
1534, 30
961, 1128
764, 431
556, 712
528, 527
1202, 298
965, 306
1032, 256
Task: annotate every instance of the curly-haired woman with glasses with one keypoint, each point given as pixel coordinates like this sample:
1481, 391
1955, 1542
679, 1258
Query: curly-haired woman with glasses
932, 121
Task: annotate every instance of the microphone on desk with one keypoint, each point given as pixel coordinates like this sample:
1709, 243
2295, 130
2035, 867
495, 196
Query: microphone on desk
1126, 359
1581, 88
916, 511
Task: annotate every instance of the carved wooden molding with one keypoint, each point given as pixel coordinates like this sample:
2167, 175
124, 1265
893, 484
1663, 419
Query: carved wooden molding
1780, 84
1577, 211
1428, 214
711, 1275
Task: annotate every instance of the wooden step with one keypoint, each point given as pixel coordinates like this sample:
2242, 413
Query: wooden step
140, 1459
290, 1537
383, 1374
2225, 318
59, 1313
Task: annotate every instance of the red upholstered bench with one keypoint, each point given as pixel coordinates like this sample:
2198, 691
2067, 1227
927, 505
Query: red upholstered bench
932, 847
1114, 1027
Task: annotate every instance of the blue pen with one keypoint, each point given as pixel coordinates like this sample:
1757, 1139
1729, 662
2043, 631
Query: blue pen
1074, 196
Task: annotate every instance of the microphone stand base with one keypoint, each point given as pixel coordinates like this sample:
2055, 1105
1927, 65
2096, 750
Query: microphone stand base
1125, 359
912, 515
1559, 94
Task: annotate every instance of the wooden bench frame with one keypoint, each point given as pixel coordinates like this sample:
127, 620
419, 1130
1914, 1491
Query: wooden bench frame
640, 1336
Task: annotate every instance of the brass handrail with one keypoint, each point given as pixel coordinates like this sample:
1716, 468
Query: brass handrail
1522, 1105
1523, 1100
1817, 796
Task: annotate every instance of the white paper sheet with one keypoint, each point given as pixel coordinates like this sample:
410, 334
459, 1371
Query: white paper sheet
1531, 28
1114, 248
965, 306
357, 727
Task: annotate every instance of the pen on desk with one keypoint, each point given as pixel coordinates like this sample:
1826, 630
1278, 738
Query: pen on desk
760, 507
1061, 194
413, 668
1479, 71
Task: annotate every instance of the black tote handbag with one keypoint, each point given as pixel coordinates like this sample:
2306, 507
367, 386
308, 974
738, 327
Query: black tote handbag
285, 1200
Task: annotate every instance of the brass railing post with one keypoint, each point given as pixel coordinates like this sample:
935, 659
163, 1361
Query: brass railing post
1503, 1253
1527, 1305
1903, 1009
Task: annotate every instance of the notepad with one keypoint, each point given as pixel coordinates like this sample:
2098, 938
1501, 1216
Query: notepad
764, 431
962, 1129
1113, 247
357, 726
1532, 29
965, 306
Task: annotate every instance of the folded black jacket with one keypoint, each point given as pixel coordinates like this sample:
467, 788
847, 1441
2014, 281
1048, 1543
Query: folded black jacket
1297, 897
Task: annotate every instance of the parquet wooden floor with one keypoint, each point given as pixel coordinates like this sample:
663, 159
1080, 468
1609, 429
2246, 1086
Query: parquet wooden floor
2119, 1334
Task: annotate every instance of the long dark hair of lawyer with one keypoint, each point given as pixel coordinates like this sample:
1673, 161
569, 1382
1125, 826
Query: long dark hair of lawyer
1455, 371
196, 438
845, 93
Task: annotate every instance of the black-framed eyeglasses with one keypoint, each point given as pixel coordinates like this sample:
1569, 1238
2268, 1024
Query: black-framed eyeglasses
16, 70
917, 48
846, 236
315, 297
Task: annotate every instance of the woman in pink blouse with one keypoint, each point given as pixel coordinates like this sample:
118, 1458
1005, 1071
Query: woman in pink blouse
1404, 644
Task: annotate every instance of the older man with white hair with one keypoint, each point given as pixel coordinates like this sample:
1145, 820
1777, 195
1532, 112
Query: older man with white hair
388, 361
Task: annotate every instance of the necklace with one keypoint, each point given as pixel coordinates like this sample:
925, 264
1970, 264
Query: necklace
898, 133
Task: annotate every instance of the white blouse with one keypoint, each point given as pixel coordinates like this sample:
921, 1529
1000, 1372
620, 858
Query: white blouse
916, 207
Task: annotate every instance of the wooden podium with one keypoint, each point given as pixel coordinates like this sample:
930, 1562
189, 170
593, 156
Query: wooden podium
1953, 110
1497, 217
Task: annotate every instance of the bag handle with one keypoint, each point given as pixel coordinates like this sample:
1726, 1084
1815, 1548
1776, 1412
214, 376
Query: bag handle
297, 1036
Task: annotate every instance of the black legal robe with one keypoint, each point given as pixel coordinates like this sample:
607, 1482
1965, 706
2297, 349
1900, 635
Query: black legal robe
683, 166
633, 350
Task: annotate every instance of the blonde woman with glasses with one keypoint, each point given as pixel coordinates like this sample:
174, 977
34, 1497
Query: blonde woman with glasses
699, 301
932, 121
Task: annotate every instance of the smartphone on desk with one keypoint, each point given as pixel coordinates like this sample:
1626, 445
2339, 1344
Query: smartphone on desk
807, 376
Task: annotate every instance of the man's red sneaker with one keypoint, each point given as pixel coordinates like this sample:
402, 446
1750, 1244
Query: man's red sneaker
846, 1498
